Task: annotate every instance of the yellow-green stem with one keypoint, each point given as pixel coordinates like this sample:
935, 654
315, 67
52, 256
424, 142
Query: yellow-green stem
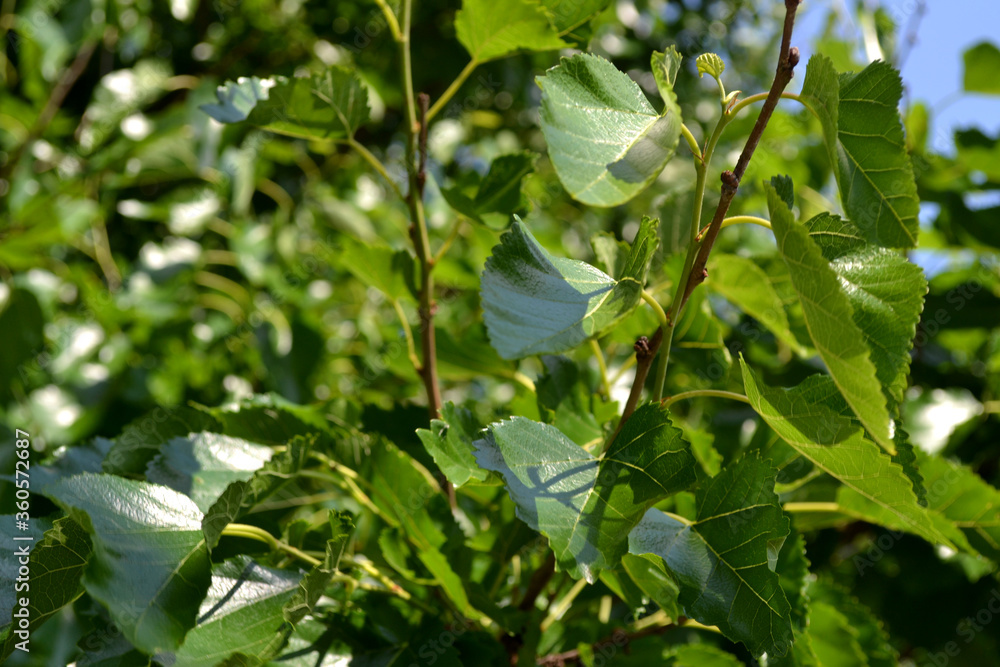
261, 535
698, 393
657, 308
452, 89
811, 507
390, 19
691, 141
601, 365
563, 605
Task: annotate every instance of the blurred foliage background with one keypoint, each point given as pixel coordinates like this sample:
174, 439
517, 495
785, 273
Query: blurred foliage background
152, 256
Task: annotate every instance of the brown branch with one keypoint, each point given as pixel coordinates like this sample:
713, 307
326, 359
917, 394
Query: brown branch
619, 640
423, 99
645, 353
539, 580
788, 58
54, 103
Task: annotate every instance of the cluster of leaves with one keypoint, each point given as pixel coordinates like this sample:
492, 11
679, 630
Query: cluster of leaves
532, 520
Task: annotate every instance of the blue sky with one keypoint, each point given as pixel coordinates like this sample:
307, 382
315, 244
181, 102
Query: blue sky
933, 69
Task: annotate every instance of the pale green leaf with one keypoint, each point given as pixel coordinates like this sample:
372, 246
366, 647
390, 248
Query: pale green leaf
605, 139
704, 655
202, 465
982, 63
535, 303
836, 444
722, 560
237, 499
487, 33
584, 505
330, 105
389, 271
150, 564
830, 320
965, 499
711, 64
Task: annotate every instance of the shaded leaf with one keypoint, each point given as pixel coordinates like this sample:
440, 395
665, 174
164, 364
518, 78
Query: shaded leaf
722, 560
585, 505
535, 303
567, 15
606, 141
965, 499
141, 439
387, 270
55, 565
652, 578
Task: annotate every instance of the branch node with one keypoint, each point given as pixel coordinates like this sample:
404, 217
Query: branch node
793, 57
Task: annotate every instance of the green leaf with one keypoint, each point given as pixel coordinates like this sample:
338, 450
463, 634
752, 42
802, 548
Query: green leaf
488, 34
982, 62
202, 465
584, 505
835, 443
239, 615
567, 15
864, 137
535, 303
141, 439
652, 578
409, 498
665, 66
723, 560
389, 271
500, 189
241, 496
833, 640
742, 282
886, 292
22, 319
606, 141
565, 397
150, 564
55, 565
331, 105
449, 442
703, 655
793, 575
711, 64
830, 320
865, 628
313, 586
965, 499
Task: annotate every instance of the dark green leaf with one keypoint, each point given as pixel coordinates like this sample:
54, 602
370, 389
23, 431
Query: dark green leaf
964, 498
585, 505
55, 565
141, 440
22, 320
606, 141
724, 559
535, 303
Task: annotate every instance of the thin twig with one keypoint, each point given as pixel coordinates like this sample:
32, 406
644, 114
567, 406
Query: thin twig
645, 352
788, 58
